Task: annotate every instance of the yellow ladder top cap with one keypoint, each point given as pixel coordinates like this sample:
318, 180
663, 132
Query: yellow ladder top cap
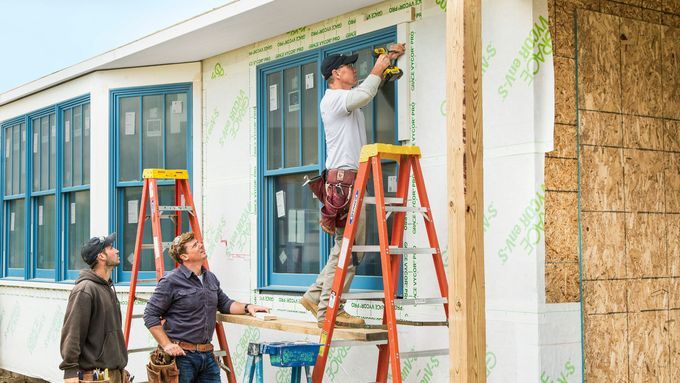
176, 174
387, 151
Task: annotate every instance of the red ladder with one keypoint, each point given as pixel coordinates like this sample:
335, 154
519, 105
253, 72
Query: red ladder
390, 253
184, 202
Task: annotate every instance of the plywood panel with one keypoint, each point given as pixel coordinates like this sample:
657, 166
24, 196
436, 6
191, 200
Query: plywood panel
671, 138
561, 227
646, 245
562, 282
644, 186
674, 331
564, 141
624, 10
598, 128
565, 90
601, 179
599, 64
606, 348
670, 20
603, 238
652, 16
670, 49
643, 132
564, 32
653, 4
672, 182
672, 6
649, 347
641, 67
648, 294
604, 297
674, 294
561, 174
673, 243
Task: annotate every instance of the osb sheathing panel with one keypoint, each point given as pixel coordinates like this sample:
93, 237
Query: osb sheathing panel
674, 331
646, 245
641, 67
598, 128
604, 297
670, 20
652, 16
561, 223
672, 6
564, 141
603, 241
649, 346
599, 65
565, 90
601, 178
563, 40
644, 186
674, 295
561, 174
643, 132
606, 348
562, 282
623, 10
648, 294
671, 71
673, 243
654, 4
672, 182
671, 139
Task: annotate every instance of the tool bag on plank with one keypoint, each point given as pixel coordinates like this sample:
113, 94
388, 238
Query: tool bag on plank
162, 367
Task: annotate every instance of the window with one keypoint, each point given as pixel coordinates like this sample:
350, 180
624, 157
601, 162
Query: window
39, 148
292, 247
151, 129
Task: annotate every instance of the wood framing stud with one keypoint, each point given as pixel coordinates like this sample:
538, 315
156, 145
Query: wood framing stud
467, 325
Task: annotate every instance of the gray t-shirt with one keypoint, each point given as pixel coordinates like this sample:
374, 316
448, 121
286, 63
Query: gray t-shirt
344, 122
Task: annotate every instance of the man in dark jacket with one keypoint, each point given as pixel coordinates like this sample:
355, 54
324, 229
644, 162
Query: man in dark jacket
92, 336
187, 299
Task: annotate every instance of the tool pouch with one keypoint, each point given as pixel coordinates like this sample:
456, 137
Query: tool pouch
162, 368
338, 193
317, 185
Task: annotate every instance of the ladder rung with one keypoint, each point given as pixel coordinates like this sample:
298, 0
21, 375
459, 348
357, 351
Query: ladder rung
350, 342
417, 323
419, 354
372, 296
149, 246
420, 301
142, 349
146, 281
405, 209
388, 200
175, 208
137, 316
395, 250
167, 216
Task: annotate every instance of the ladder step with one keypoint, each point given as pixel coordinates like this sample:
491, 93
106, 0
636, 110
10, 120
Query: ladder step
372, 296
388, 200
420, 301
420, 354
402, 209
417, 323
175, 208
395, 250
149, 246
167, 216
142, 349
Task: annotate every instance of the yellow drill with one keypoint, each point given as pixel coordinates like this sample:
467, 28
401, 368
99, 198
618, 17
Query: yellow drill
392, 72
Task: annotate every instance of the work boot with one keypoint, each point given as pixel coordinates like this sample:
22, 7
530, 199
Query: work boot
309, 305
343, 319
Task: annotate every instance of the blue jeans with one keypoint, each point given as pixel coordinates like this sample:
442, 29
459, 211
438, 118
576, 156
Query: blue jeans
198, 367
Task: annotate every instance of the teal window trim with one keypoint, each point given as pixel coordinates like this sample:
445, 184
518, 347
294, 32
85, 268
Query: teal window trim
267, 279
30, 194
117, 187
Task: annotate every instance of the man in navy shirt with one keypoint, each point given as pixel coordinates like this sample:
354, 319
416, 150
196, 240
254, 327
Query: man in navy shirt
187, 299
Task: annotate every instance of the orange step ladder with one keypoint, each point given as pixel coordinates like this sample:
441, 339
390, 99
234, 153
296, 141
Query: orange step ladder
184, 202
391, 252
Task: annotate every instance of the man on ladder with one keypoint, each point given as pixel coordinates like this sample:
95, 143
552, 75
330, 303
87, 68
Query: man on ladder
187, 299
345, 130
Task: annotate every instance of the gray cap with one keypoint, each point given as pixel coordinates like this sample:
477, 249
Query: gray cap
94, 246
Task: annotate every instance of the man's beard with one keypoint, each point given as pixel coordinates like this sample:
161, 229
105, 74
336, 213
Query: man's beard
112, 262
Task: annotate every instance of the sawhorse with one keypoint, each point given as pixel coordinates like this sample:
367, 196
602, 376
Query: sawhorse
282, 354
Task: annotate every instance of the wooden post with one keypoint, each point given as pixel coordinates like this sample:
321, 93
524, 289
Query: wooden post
467, 324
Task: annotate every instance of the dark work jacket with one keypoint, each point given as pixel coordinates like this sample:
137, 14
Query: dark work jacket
187, 305
92, 335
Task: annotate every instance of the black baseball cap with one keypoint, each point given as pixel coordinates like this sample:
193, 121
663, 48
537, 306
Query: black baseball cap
94, 246
335, 61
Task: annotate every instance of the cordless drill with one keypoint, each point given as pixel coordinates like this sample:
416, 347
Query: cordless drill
392, 72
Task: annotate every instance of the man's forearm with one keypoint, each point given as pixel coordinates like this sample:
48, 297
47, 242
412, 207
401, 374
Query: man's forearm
363, 94
160, 335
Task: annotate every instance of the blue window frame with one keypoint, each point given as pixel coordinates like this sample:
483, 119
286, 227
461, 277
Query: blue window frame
36, 147
292, 248
150, 128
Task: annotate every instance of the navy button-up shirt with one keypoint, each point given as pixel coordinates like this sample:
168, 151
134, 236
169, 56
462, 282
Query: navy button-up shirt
187, 305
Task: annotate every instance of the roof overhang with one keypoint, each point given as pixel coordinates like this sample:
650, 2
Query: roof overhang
234, 25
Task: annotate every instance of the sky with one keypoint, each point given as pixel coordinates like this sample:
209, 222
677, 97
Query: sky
39, 37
